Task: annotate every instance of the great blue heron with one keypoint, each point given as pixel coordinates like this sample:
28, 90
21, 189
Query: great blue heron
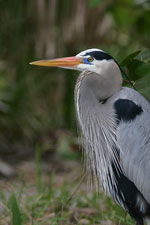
115, 124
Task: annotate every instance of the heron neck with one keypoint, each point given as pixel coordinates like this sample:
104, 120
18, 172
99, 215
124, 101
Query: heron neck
97, 123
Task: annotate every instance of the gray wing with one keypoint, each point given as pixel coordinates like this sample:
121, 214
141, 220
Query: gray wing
133, 135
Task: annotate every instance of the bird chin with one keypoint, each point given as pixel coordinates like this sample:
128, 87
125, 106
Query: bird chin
71, 68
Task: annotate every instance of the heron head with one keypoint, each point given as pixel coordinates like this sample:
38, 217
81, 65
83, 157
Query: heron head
94, 60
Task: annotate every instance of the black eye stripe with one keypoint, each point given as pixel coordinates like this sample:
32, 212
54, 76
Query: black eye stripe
98, 55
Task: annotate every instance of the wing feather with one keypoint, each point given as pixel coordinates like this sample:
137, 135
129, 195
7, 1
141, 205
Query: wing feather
133, 135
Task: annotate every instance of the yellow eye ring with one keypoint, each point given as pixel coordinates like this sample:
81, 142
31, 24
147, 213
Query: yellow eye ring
90, 59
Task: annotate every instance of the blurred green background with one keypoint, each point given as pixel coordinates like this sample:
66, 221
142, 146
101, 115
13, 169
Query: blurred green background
36, 103
39, 148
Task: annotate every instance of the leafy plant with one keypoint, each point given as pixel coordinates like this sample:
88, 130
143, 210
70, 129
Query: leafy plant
138, 70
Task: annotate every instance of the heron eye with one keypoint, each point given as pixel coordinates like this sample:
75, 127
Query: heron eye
90, 59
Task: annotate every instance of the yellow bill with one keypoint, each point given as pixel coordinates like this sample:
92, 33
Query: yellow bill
61, 62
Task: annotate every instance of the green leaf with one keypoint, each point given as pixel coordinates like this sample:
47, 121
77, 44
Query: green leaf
129, 58
143, 85
139, 71
16, 216
144, 56
133, 69
145, 92
143, 69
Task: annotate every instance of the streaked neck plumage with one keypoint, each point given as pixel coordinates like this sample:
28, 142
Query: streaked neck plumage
97, 121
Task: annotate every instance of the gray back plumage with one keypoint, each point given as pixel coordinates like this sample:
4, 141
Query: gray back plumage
134, 141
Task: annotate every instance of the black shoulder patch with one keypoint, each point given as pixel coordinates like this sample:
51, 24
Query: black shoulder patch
98, 55
126, 110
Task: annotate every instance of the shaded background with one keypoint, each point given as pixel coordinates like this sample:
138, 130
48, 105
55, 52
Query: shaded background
36, 104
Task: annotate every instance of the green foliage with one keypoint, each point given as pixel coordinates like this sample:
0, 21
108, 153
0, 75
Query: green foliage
16, 216
138, 69
129, 58
144, 56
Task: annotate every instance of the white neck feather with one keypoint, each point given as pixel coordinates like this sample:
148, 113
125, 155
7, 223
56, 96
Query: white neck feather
98, 127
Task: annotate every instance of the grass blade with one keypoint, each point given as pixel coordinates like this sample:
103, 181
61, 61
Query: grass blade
16, 216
